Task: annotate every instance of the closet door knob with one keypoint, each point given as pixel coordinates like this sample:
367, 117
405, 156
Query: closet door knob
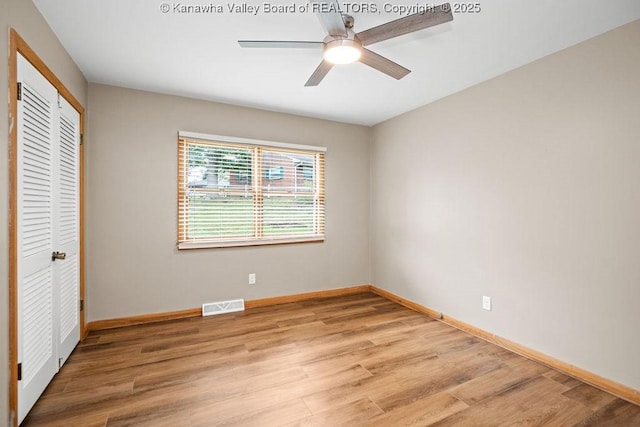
58, 255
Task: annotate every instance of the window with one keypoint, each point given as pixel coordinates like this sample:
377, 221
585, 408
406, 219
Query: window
275, 173
239, 192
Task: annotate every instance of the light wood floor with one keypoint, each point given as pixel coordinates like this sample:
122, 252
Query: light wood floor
352, 360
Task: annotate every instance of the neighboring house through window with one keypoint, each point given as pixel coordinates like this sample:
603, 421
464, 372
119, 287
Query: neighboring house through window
240, 192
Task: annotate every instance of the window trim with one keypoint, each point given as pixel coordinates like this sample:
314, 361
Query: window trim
248, 141
253, 143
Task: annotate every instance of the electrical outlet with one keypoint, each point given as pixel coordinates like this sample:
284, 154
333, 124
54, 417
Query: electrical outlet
252, 279
486, 303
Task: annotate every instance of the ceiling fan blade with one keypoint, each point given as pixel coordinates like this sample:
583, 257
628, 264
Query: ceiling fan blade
418, 21
328, 12
280, 44
383, 64
319, 73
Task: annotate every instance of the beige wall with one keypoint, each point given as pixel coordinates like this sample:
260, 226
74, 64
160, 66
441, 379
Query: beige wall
133, 266
525, 188
26, 20
4, 220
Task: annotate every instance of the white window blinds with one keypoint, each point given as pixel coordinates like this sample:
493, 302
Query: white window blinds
239, 192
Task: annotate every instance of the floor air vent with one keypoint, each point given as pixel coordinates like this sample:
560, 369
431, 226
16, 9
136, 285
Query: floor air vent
222, 307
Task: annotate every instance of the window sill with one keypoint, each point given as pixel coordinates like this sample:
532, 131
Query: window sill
207, 244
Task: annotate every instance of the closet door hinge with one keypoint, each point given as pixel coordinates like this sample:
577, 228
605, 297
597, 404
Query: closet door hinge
81, 304
19, 371
19, 94
81, 138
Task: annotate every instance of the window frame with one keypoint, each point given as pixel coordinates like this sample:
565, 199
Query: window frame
256, 189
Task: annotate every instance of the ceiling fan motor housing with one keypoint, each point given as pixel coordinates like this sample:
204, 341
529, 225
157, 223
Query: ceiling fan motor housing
342, 50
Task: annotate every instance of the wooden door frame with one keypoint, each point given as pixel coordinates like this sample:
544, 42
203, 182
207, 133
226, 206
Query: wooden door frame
17, 45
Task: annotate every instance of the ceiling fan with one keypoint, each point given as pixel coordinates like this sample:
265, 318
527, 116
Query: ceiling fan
344, 46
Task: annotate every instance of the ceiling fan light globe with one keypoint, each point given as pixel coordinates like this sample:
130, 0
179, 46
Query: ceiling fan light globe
342, 52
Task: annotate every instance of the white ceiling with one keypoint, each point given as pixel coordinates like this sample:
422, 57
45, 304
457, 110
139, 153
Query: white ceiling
131, 43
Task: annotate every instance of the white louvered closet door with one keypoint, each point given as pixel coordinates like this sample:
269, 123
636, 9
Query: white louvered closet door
47, 180
66, 237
